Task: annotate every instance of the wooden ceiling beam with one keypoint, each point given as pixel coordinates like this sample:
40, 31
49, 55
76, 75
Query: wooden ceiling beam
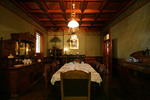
98, 25
36, 11
83, 25
69, 11
61, 25
62, 5
44, 20
83, 6
63, 8
75, 0
102, 19
90, 11
55, 11
42, 5
109, 11
88, 19
127, 4
83, 20
60, 19
103, 5
27, 0
86, 25
78, 11
101, 8
48, 25
21, 5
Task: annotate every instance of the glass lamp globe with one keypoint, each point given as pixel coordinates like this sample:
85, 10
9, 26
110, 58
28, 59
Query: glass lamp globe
73, 23
74, 36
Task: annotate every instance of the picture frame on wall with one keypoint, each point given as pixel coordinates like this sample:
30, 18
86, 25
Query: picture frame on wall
74, 43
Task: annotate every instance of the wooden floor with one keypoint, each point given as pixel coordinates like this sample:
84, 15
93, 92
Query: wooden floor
110, 90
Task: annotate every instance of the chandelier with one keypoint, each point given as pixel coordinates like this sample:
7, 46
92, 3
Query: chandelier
73, 24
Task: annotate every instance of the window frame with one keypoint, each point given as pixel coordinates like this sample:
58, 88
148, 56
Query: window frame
38, 37
41, 53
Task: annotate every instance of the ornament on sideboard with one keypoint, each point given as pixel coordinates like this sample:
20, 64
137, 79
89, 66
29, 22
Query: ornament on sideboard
27, 61
147, 51
39, 60
78, 53
65, 49
70, 52
10, 56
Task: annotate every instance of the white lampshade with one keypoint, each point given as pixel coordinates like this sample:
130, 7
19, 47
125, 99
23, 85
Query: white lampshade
74, 36
73, 23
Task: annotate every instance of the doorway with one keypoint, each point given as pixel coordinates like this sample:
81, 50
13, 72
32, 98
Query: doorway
107, 52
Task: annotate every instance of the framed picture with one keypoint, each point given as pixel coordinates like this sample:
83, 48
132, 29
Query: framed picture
74, 43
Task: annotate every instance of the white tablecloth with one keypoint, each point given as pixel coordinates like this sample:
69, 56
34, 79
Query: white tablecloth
95, 77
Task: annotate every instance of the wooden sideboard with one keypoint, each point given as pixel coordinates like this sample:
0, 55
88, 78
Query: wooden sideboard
16, 80
15, 77
70, 58
134, 78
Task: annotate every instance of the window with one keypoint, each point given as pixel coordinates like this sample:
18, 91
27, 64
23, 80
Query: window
38, 42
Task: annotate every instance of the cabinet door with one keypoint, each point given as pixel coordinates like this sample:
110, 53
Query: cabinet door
8, 47
23, 80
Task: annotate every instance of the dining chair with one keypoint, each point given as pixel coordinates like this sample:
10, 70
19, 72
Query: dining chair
46, 73
93, 64
97, 66
75, 85
101, 69
57, 64
50, 69
77, 60
54, 66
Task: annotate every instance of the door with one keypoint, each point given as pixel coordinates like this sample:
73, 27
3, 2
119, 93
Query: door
107, 52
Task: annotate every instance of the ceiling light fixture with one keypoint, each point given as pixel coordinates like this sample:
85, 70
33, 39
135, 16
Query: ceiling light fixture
73, 24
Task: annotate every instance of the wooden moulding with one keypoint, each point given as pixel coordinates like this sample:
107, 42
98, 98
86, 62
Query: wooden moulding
23, 37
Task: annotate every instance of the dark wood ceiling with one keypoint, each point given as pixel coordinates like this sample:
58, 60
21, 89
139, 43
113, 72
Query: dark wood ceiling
54, 15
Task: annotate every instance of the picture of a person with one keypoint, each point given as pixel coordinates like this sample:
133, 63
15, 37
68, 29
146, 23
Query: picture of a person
74, 44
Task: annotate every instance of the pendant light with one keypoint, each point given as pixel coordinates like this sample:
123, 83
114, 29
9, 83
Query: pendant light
73, 24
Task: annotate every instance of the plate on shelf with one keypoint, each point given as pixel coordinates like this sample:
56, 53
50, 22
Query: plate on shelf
18, 65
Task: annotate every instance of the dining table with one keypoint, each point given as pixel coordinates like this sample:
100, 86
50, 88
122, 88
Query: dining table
95, 77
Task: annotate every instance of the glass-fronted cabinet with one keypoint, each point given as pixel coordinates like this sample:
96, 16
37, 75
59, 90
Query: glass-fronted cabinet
24, 46
21, 46
25, 49
55, 54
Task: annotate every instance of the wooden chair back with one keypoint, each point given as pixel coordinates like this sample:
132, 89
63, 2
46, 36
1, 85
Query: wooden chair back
75, 85
77, 60
57, 64
54, 66
46, 74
